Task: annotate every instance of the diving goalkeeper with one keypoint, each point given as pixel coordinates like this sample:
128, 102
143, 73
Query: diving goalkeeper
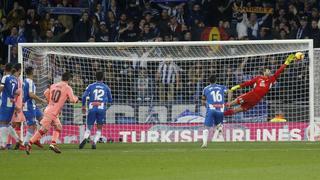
261, 86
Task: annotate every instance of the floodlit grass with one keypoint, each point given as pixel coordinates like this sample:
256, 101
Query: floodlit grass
183, 161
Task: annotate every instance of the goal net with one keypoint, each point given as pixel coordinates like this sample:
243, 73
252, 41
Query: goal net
157, 88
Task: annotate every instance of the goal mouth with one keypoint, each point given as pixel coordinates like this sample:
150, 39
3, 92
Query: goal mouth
157, 87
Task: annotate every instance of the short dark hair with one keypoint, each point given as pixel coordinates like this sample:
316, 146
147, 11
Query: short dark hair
16, 67
29, 70
99, 75
212, 79
66, 76
8, 67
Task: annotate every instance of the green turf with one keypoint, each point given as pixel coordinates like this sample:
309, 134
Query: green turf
184, 161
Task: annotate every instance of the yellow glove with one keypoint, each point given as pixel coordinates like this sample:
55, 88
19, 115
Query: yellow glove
235, 88
289, 59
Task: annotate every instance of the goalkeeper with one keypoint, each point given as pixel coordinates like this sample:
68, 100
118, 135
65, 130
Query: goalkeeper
261, 86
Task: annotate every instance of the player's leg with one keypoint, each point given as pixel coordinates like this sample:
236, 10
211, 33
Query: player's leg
3, 134
14, 127
4, 123
91, 117
101, 120
57, 127
45, 125
218, 121
32, 127
244, 100
208, 123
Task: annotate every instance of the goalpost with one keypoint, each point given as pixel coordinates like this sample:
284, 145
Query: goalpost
157, 88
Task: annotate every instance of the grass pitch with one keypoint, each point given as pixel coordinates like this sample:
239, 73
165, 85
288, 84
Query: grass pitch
184, 161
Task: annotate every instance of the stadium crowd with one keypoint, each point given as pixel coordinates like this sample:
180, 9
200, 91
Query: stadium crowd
156, 20
150, 20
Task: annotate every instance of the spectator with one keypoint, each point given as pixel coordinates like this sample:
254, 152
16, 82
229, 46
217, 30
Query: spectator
50, 37
133, 9
168, 79
112, 22
130, 33
254, 25
163, 23
315, 33
187, 36
196, 13
242, 29
303, 30
14, 55
94, 25
103, 35
44, 24
195, 84
14, 38
99, 13
81, 31
122, 23
143, 85
146, 34
148, 9
175, 27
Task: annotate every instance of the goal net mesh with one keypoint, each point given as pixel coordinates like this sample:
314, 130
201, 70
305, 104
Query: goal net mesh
157, 89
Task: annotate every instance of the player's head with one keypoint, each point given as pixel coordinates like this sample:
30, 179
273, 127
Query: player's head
8, 68
266, 71
16, 70
212, 79
99, 76
66, 76
29, 71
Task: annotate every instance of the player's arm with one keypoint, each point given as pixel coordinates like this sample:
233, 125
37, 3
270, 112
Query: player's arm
203, 100
84, 99
3, 81
287, 62
71, 96
109, 95
34, 96
47, 94
37, 98
244, 84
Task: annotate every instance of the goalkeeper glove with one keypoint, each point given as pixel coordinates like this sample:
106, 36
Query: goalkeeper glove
289, 59
235, 88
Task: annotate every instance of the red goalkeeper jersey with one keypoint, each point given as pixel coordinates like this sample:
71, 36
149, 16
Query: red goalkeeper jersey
262, 84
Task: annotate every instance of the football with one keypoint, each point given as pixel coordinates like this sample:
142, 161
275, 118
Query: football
299, 56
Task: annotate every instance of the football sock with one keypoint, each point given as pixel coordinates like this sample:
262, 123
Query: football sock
28, 136
55, 136
86, 134
3, 136
205, 134
13, 133
97, 136
37, 136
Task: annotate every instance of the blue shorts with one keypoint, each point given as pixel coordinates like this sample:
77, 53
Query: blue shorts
30, 117
213, 117
6, 114
98, 116
39, 114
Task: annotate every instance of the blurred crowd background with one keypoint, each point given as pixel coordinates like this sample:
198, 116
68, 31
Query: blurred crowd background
154, 20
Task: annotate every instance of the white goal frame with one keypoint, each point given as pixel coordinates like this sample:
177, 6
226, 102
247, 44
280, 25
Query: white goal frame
193, 43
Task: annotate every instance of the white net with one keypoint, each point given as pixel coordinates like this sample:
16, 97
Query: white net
157, 88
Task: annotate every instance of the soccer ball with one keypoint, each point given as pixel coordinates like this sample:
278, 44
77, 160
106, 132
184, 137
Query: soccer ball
299, 56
